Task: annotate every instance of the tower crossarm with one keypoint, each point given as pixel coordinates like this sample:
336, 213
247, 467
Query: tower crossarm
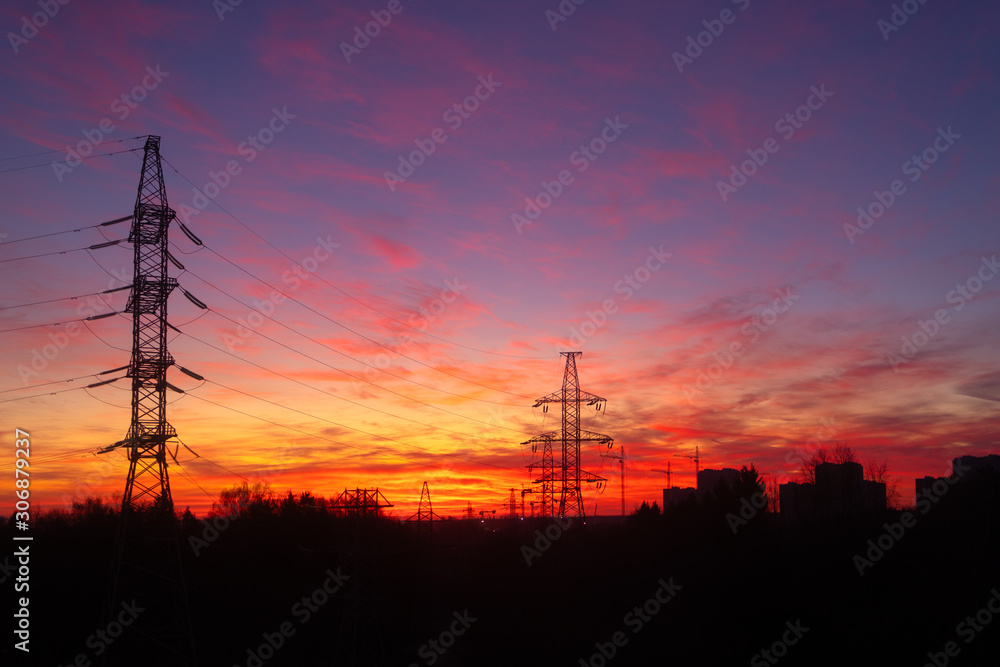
590, 436
557, 397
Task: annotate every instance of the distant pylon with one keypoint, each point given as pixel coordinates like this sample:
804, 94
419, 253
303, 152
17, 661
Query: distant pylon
512, 505
425, 513
570, 477
548, 477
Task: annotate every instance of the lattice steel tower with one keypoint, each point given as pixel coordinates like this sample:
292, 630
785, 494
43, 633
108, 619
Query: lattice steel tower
570, 477
148, 568
148, 481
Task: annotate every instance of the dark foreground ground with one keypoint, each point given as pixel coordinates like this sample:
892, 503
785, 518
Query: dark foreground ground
653, 590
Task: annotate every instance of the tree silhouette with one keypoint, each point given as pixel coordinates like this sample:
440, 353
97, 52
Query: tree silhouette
879, 472
242, 500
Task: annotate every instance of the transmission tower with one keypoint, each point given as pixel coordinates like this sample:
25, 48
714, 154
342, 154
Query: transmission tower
425, 513
570, 477
148, 568
511, 505
547, 480
147, 480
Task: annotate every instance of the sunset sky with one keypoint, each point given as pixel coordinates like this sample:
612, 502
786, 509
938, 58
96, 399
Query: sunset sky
586, 182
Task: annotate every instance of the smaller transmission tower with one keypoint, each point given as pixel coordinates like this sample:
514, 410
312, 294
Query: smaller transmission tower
547, 479
569, 478
511, 505
360, 503
425, 513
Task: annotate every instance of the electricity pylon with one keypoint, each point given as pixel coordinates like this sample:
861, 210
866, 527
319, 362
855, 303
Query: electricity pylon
548, 476
425, 512
570, 477
147, 572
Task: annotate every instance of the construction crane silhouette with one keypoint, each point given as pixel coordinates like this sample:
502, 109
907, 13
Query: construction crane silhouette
697, 462
665, 472
621, 464
523, 492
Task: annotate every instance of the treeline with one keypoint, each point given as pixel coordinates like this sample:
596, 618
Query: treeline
683, 584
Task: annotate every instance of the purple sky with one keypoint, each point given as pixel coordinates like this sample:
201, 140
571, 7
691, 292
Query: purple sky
660, 252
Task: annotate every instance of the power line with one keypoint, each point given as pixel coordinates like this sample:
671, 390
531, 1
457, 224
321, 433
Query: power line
64, 298
54, 457
96, 246
62, 391
69, 231
89, 157
358, 430
336, 351
357, 333
346, 294
218, 465
341, 398
56, 324
343, 444
43, 384
62, 150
